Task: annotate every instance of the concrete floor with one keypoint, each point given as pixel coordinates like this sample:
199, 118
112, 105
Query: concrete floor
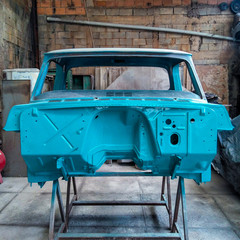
213, 208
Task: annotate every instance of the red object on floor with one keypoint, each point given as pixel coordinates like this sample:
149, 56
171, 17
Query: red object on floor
2, 164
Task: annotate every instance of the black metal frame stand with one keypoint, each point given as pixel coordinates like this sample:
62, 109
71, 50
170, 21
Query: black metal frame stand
63, 230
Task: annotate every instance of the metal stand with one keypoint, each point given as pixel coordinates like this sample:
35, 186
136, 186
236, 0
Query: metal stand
63, 230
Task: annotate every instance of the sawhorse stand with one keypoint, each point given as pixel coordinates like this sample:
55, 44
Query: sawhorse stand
63, 230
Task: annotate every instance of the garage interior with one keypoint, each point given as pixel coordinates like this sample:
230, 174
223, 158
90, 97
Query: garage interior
209, 31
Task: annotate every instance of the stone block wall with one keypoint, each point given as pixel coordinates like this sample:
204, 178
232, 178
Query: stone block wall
213, 58
15, 37
16, 34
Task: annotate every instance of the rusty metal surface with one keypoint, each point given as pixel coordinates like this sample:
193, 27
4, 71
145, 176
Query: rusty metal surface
13, 92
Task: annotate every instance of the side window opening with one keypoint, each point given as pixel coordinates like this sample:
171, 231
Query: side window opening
185, 78
50, 78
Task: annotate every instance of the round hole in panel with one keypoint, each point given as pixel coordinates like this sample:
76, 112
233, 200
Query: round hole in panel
168, 121
174, 139
192, 120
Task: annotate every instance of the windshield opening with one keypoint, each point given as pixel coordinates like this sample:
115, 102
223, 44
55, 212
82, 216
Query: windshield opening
169, 76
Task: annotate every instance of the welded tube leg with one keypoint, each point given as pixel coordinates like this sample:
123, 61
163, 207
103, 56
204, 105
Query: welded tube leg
60, 203
169, 202
163, 188
53, 209
74, 186
67, 204
184, 209
175, 216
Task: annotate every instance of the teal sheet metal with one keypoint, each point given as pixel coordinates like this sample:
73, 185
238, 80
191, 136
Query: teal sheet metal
72, 134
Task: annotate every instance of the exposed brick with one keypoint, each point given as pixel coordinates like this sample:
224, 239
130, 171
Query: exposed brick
162, 35
182, 41
112, 12
140, 12
183, 20
177, 2
147, 3
98, 29
210, 40
100, 42
112, 41
126, 42
89, 3
73, 28
167, 3
180, 10
70, 11
60, 11
145, 35
179, 36
80, 11
62, 41
75, 11
98, 12
212, 2
80, 35
41, 11
96, 35
76, 3
42, 28
132, 34
82, 41
213, 10
112, 30
57, 4
215, 46
157, 3
111, 3
186, 2
204, 47
64, 3
166, 11
202, 11
185, 47
42, 20
119, 35
164, 41
149, 42
49, 11
151, 11
138, 3
46, 4
100, 3
214, 79
227, 12
129, 3
139, 42
120, 4
63, 35
105, 35
202, 1
125, 12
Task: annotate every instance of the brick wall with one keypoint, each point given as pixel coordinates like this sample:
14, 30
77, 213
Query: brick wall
212, 57
15, 38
